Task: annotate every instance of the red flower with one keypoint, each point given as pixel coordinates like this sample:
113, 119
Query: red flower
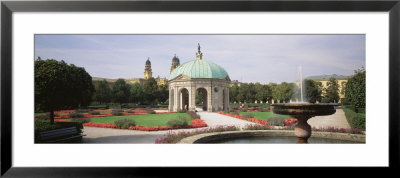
289, 122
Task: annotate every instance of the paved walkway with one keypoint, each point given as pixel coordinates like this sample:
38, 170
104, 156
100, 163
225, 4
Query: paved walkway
337, 120
214, 119
108, 135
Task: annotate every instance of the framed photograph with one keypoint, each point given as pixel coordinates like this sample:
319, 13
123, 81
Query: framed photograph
196, 55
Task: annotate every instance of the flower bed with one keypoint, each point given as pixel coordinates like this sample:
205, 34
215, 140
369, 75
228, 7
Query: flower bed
61, 117
258, 121
103, 113
65, 111
196, 123
140, 111
340, 130
290, 122
62, 121
174, 137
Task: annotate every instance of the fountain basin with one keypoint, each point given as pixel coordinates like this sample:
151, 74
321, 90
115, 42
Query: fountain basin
304, 109
302, 112
272, 136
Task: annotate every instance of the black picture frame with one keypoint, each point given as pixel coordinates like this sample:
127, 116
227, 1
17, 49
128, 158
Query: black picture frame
8, 7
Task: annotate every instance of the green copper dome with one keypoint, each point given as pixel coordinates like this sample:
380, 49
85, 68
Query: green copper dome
199, 69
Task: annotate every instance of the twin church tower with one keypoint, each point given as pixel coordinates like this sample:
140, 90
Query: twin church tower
147, 69
175, 63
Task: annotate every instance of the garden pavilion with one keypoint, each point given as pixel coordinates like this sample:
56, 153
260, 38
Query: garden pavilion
203, 76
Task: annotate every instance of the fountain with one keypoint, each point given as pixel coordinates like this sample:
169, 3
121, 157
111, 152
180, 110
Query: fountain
303, 111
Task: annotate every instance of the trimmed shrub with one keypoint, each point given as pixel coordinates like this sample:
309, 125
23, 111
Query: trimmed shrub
76, 115
117, 112
98, 107
46, 116
360, 110
248, 115
94, 113
181, 111
180, 122
129, 111
193, 115
277, 121
234, 113
81, 120
355, 120
125, 123
82, 110
151, 111
266, 109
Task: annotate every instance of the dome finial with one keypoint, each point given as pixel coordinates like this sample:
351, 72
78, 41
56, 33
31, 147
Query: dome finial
199, 55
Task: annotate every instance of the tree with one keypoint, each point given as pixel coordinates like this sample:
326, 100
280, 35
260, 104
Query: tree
243, 90
268, 92
251, 93
283, 92
272, 87
61, 86
136, 93
263, 92
102, 92
331, 92
163, 93
234, 92
121, 91
355, 89
150, 90
313, 90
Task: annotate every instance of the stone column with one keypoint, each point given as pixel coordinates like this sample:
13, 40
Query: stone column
227, 99
170, 103
192, 98
210, 96
176, 100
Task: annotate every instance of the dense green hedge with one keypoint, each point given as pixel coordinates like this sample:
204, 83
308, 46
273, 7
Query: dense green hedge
355, 120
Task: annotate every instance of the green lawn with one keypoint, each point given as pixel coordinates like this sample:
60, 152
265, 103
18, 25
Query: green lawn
265, 115
149, 120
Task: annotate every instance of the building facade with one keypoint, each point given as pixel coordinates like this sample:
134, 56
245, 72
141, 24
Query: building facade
324, 79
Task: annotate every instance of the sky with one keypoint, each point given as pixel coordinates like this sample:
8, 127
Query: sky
246, 58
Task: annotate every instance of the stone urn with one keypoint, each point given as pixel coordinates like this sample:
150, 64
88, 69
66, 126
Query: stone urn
302, 112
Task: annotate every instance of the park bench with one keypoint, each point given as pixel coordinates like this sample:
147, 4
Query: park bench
64, 135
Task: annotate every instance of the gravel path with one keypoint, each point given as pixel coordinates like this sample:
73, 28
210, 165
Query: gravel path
214, 119
337, 120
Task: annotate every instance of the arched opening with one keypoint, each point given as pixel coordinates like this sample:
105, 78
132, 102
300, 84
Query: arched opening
184, 99
201, 99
